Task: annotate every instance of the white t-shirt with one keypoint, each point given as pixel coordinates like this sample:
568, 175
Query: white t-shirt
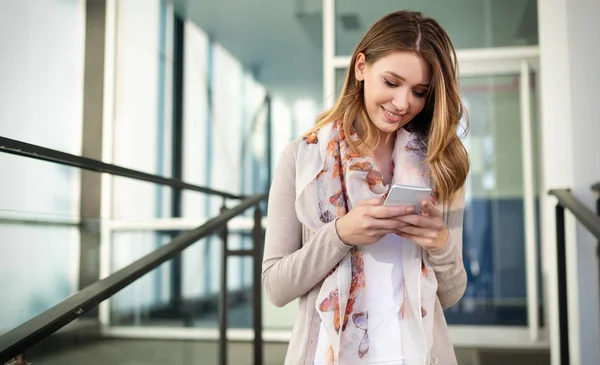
384, 294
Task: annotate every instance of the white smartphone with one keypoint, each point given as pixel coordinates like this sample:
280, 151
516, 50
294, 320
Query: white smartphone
408, 196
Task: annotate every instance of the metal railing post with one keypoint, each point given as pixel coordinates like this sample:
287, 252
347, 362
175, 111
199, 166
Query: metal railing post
223, 294
257, 235
561, 254
596, 190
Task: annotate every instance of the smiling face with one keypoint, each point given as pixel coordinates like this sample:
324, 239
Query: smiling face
395, 88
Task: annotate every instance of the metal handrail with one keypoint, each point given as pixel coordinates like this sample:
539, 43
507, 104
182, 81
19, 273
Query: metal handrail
20, 148
591, 221
583, 214
16, 341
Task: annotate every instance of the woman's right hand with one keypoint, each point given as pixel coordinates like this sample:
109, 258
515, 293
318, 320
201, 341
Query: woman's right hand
369, 221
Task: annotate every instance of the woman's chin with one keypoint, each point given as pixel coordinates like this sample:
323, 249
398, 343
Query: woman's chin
387, 127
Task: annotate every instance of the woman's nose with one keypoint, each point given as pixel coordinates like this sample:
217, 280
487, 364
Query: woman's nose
401, 101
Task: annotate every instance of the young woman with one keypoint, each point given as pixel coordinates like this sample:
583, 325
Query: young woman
372, 279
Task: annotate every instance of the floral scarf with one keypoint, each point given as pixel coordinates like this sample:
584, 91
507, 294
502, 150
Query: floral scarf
330, 180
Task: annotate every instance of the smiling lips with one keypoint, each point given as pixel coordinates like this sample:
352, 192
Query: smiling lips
392, 117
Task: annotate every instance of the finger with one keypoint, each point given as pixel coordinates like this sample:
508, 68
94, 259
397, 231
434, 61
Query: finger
415, 239
384, 233
430, 208
420, 220
370, 202
401, 222
388, 225
419, 231
390, 212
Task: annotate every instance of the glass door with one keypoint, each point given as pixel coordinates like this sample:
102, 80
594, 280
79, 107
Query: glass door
501, 240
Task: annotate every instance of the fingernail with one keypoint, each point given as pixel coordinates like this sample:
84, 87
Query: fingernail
410, 209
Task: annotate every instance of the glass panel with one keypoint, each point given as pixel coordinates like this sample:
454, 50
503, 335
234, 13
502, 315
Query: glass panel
39, 236
287, 65
143, 107
152, 301
340, 78
494, 247
230, 115
40, 103
470, 23
42, 75
136, 302
35, 254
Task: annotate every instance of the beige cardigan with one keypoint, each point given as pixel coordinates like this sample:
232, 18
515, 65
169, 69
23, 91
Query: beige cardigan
297, 260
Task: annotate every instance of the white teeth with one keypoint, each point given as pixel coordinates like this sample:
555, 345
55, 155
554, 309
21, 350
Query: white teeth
390, 114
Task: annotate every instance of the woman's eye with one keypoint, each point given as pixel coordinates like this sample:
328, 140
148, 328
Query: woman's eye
419, 94
390, 84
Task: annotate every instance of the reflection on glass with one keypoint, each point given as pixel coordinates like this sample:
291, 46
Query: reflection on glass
36, 250
39, 234
143, 135
470, 23
494, 239
340, 78
154, 299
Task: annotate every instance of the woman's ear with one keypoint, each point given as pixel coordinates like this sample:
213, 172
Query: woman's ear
359, 67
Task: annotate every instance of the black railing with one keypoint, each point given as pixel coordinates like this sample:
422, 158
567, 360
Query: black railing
591, 221
19, 148
596, 190
15, 342
35, 330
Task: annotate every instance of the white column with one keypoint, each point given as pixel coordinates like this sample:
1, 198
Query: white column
584, 52
570, 147
328, 53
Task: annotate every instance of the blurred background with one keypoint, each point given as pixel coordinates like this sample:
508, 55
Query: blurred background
210, 92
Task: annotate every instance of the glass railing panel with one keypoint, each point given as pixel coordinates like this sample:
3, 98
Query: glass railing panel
182, 292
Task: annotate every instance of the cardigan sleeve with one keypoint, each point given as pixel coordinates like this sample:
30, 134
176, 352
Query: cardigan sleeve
447, 263
289, 268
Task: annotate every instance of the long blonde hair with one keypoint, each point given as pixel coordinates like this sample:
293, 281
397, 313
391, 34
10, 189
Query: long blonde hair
438, 122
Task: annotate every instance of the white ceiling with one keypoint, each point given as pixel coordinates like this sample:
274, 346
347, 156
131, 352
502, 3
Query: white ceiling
281, 40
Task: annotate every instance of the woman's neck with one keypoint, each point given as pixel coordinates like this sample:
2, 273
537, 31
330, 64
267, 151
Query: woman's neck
385, 147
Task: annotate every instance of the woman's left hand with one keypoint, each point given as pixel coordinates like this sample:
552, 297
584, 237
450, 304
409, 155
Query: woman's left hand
427, 230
